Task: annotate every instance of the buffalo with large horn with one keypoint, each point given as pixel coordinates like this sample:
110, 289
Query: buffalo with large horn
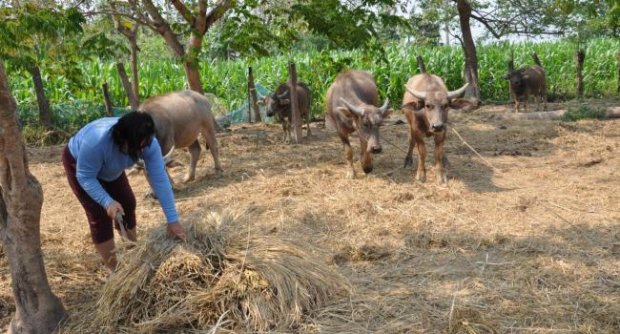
352, 105
425, 104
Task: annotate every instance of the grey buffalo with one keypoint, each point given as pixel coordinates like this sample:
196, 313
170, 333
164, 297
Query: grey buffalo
352, 105
180, 117
526, 81
279, 104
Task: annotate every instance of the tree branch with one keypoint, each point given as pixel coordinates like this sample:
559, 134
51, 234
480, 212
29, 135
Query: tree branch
487, 25
216, 13
186, 13
163, 28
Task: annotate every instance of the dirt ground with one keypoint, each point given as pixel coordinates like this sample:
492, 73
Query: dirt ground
525, 240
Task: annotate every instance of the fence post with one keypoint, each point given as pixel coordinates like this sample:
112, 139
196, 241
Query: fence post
580, 57
107, 99
295, 116
253, 99
618, 59
133, 101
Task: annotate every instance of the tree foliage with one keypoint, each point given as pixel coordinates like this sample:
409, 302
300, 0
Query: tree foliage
353, 24
40, 35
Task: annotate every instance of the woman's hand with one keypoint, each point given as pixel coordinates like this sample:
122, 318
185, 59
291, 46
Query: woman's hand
176, 230
113, 209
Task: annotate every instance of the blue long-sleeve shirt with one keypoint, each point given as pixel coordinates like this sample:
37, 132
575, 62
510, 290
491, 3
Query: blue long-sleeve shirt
99, 158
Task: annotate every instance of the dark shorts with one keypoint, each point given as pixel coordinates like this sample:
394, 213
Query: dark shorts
120, 190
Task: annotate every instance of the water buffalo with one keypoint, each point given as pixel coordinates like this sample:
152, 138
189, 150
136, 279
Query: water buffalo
279, 104
351, 105
525, 81
425, 104
179, 118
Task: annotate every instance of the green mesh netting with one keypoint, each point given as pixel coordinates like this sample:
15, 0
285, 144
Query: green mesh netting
241, 114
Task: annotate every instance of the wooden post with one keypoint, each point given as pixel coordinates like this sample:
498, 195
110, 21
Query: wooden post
618, 59
133, 101
295, 115
580, 57
421, 65
107, 99
253, 99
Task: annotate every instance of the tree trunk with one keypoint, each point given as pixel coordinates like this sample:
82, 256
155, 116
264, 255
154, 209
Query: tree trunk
135, 84
580, 57
45, 116
191, 65
253, 97
295, 114
107, 99
38, 310
133, 101
469, 47
618, 64
132, 37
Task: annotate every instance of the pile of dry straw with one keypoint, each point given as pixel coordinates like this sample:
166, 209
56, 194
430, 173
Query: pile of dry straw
223, 277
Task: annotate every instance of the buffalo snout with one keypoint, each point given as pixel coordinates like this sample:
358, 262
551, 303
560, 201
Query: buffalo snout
438, 127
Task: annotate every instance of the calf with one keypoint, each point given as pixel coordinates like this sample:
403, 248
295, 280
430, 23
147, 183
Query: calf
525, 81
425, 104
351, 105
279, 104
179, 118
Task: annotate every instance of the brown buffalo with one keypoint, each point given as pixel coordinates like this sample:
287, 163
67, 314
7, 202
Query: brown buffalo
179, 118
351, 105
279, 104
526, 81
425, 104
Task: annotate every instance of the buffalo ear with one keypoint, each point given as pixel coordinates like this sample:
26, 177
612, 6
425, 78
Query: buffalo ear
345, 112
412, 106
285, 101
460, 103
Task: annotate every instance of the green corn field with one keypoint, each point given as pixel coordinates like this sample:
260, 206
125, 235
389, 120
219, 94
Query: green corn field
77, 103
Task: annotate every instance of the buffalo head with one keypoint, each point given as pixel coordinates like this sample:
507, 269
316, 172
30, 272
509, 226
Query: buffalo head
435, 105
367, 119
276, 102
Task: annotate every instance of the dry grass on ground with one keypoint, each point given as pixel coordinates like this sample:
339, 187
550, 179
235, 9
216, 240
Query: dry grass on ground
525, 241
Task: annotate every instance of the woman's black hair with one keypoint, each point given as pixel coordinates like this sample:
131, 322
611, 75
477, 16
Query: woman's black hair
133, 129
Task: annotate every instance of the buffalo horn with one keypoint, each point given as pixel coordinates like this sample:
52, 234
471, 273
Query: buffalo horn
384, 107
168, 156
458, 92
353, 108
419, 95
283, 95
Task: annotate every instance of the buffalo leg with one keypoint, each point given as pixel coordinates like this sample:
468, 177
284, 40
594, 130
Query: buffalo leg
440, 172
348, 154
308, 133
211, 140
194, 155
421, 170
285, 131
515, 98
409, 156
365, 157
